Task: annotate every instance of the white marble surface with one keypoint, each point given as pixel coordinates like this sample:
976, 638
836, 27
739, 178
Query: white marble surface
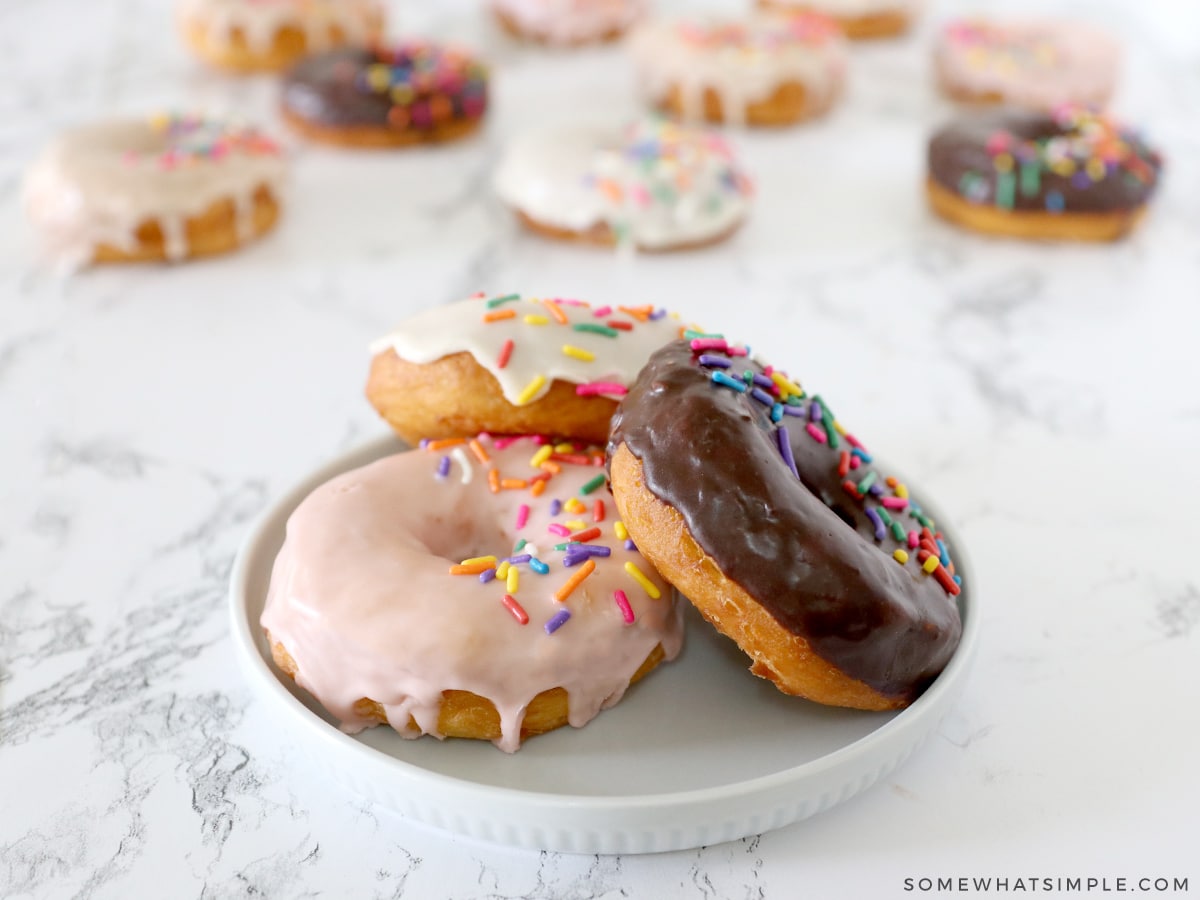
148, 414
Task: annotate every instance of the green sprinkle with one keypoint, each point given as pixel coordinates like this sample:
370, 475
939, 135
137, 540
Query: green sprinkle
593, 328
923, 519
868, 480
827, 418
497, 301
884, 517
592, 485
519, 544
897, 530
1031, 179
692, 335
1006, 189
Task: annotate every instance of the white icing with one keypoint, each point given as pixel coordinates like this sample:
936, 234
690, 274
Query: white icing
537, 349
1035, 63
571, 21
743, 61
259, 21
361, 597
656, 185
98, 183
851, 9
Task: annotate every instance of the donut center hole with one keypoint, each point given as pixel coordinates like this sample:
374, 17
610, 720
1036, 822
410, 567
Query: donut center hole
453, 536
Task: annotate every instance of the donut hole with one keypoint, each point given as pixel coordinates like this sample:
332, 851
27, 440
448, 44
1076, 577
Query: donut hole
449, 537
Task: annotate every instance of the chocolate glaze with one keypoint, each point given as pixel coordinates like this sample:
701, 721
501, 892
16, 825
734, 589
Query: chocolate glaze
805, 550
959, 154
329, 89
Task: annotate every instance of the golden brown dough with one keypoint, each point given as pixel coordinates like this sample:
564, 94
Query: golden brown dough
288, 45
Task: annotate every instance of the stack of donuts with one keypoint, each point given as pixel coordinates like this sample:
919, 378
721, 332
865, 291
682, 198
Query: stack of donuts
571, 467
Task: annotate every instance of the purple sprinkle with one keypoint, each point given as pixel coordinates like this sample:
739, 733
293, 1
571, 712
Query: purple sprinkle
443, 468
762, 396
790, 410
556, 622
574, 559
555, 507
423, 443
657, 314
591, 550
783, 439
763, 381
517, 560
815, 414
629, 544
876, 489
880, 533
719, 362
486, 575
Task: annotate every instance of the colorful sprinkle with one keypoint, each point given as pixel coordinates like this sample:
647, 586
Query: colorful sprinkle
592, 485
518, 611
640, 577
569, 586
557, 620
622, 602
531, 389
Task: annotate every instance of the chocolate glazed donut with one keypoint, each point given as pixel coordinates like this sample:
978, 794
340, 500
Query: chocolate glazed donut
702, 450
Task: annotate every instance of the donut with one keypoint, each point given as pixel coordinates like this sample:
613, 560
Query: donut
654, 185
753, 501
761, 70
474, 589
158, 188
1070, 175
858, 19
512, 365
269, 35
410, 93
566, 23
1038, 64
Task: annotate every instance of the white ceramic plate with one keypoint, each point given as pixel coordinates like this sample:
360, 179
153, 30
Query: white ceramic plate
698, 753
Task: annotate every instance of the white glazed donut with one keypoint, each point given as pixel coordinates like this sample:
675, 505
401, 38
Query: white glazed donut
166, 187
760, 70
568, 22
655, 185
859, 19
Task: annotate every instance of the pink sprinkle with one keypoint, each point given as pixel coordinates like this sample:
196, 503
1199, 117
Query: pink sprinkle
501, 442
913, 540
505, 353
540, 439
566, 301
600, 387
894, 502
560, 530
737, 351
855, 462
522, 516
853, 441
710, 344
815, 432
602, 312
623, 603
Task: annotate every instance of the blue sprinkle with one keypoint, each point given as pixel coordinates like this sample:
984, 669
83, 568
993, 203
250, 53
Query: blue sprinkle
723, 379
776, 412
958, 579
1054, 201
538, 566
486, 575
861, 454
943, 553
716, 362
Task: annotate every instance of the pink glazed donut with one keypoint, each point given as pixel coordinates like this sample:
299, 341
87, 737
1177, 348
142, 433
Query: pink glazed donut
1037, 64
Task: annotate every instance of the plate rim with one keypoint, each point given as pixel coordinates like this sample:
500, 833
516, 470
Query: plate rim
247, 649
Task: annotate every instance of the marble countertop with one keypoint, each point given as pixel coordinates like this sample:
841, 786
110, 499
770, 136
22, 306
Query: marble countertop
149, 414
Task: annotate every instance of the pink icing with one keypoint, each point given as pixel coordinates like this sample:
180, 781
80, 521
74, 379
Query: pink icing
1035, 63
361, 597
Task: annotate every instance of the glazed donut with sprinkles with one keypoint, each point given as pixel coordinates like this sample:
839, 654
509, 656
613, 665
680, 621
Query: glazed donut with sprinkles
508, 364
749, 496
479, 588
1071, 175
413, 92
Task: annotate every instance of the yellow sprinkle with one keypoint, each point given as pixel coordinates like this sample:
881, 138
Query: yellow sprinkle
564, 448
839, 428
931, 563
502, 569
541, 456
900, 556
534, 319
1095, 169
578, 353
619, 530
901, 491
490, 560
378, 77
640, 577
1003, 162
576, 524
574, 505
512, 578
532, 388
786, 387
